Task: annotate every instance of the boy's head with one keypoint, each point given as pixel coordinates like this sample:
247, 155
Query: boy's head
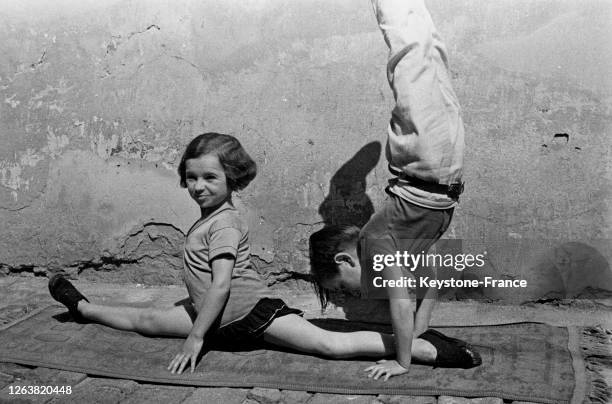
334, 263
239, 167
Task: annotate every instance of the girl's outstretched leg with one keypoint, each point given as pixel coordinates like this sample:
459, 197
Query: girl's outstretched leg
175, 321
172, 322
292, 331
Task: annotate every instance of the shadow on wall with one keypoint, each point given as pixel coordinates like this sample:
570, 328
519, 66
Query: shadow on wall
347, 202
577, 271
553, 271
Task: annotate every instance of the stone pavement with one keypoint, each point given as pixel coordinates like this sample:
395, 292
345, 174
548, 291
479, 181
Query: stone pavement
19, 296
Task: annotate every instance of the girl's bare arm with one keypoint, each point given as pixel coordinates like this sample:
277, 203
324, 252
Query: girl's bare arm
216, 297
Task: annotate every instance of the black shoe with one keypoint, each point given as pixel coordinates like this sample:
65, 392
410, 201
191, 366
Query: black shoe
64, 292
452, 352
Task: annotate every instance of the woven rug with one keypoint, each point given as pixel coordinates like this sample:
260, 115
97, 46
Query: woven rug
524, 361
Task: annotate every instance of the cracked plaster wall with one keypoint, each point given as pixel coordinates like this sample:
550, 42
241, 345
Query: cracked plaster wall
97, 99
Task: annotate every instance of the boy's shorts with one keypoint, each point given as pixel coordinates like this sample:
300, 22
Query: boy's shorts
251, 327
400, 226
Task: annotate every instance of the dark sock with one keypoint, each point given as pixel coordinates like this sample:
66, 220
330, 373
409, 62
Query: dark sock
452, 352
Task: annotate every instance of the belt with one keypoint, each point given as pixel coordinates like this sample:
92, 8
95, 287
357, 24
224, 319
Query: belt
452, 190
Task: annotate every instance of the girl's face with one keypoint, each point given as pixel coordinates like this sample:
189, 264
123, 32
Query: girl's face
206, 181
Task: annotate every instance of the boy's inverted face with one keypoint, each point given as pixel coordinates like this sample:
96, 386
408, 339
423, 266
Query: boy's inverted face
342, 282
206, 181
349, 271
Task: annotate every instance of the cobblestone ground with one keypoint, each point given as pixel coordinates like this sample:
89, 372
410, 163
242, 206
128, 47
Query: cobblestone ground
86, 389
19, 296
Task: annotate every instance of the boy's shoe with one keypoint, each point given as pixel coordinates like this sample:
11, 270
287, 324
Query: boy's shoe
452, 352
64, 292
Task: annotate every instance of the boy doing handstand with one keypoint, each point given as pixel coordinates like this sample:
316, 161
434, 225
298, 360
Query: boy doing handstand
425, 154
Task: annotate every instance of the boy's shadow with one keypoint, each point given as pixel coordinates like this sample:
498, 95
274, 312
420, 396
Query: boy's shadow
348, 204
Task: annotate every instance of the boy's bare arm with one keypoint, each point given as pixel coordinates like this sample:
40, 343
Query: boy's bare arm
423, 313
402, 319
401, 307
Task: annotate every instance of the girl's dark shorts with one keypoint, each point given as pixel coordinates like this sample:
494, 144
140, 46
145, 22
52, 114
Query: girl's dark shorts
252, 326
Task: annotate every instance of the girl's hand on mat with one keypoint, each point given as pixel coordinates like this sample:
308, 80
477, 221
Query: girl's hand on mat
386, 368
189, 353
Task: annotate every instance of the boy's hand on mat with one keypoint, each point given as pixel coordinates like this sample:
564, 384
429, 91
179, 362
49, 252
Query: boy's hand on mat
189, 353
386, 368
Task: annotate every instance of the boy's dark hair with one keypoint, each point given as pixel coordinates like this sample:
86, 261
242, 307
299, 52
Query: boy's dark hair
239, 167
324, 245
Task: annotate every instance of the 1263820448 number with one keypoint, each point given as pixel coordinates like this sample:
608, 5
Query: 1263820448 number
39, 390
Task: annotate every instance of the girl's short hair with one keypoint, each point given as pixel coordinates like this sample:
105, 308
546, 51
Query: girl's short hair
324, 245
239, 167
